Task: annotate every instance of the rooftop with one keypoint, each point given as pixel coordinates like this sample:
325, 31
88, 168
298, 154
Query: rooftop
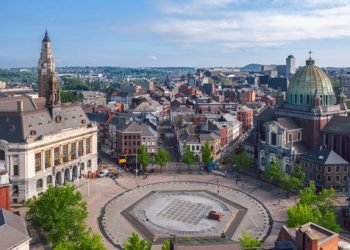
13, 230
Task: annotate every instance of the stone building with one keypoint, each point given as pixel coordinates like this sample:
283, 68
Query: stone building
326, 168
43, 142
127, 139
295, 126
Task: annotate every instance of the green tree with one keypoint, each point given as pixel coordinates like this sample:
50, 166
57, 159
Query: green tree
290, 182
60, 212
321, 205
166, 245
143, 157
135, 243
87, 241
273, 172
242, 160
162, 158
206, 154
188, 156
301, 214
247, 241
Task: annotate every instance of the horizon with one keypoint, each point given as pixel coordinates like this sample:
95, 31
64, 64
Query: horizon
190, 33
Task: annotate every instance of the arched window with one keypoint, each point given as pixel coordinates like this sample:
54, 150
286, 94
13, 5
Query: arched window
88, 164
49, 180
39, 184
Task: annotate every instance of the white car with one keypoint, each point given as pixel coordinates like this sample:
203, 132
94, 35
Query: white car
103, 173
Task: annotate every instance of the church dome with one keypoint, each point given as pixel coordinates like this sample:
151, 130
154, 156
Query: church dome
310, 86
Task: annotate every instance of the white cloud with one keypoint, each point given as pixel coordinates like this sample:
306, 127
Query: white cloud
265, 27
154, 58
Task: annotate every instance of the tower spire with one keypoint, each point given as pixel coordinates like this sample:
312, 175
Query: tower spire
46, 38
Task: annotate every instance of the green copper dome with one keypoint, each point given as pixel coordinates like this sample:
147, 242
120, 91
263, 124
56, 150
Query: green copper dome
310, 86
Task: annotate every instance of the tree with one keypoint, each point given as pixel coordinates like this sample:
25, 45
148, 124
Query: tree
135, 243
166, 245
87, 241
249, 242
188, 156
242, 160
206, 154
143, 157
162, 158
313, 207
60, 212
301, 214
290, 182
273, 172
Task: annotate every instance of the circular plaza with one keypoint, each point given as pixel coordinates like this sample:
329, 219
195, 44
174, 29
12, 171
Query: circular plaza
181, 208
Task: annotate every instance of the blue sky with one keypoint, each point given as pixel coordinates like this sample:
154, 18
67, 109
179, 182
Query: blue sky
198, 33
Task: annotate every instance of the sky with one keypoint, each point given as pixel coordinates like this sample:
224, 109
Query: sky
195, 33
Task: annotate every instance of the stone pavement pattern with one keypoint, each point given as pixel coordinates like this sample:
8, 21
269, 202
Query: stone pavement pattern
103, 190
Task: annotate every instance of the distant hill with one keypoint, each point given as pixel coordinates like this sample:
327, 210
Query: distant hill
253, 67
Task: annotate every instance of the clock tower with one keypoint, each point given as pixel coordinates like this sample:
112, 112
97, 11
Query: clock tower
48, 83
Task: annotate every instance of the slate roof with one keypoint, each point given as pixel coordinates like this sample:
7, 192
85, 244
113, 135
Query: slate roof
17, 127
267, 114
138, 127
288, 123
97, 117
339, 125
324, 156
13, 230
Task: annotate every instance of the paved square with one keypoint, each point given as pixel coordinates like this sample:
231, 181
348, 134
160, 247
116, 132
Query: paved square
185, 211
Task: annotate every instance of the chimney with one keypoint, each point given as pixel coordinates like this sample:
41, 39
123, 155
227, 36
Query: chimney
19, 106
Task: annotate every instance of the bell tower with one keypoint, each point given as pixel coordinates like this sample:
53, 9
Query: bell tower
48, 83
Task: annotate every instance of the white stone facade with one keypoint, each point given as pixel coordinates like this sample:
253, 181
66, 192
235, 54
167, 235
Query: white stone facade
50, 159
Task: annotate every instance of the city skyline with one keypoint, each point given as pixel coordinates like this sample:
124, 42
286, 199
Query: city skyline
190, 33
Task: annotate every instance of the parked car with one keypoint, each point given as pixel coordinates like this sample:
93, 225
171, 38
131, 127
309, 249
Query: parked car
103, 173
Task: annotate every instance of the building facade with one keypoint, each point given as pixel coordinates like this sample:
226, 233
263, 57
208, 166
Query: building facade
43, 142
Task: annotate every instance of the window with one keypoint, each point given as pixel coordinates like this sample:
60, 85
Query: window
329, 178
273, 139
289, 137
307, 99
88, 145
15, 190
47, 158
15, 170
337, 178
337, 169
345, 178
345, 168
329, 169
81, 148
57, 156
299, 136
318, 177
37, 162
39, 184
301, 99
2, 155
192, 147
49, 180
65, 153
73, 150
197, 147
125, 143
